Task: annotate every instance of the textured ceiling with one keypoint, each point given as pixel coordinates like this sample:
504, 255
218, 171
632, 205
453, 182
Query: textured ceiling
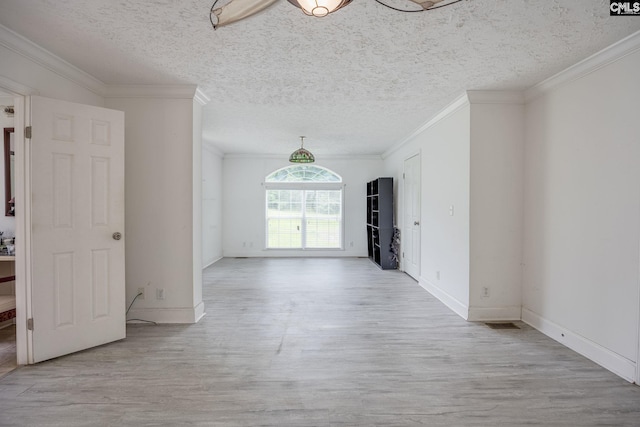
355, 82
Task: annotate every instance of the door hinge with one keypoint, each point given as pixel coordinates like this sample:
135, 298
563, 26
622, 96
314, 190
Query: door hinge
30, 324
402, 254
403, 176
27, 132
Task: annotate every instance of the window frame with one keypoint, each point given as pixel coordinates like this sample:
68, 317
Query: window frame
305, 166
304, 186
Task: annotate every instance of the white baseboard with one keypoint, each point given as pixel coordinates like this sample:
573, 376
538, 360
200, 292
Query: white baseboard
459, 308
604, 357
488, 314
285, 253
211, 262
199, 312
168, 315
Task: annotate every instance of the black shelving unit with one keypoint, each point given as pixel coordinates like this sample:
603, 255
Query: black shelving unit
380, 222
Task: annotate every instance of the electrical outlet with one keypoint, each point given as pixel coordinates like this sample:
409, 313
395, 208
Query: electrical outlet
159, 293
141, 293
438, 275
485, 292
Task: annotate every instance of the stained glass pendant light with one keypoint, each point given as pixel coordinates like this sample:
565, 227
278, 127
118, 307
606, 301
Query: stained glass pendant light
301, 155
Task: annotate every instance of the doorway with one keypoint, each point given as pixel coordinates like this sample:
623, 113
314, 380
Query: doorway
8, 309
95, 163
411, 213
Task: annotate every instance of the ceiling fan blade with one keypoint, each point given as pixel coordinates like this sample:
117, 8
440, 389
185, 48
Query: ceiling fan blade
236, 10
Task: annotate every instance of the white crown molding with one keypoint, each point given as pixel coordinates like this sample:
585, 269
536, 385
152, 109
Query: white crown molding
25, 47
495, 97
454, 106
152, 91
201, 98
467, 98
16, 88
208, 145
601, 59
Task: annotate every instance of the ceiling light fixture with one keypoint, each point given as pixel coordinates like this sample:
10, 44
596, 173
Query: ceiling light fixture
319, 8
301, 155
235, 10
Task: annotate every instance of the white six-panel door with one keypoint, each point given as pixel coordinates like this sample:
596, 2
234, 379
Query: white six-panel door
77, 204
411, 227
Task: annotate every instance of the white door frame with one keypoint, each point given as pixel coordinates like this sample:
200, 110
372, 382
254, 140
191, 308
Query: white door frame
403, 216
637, 379
22, 261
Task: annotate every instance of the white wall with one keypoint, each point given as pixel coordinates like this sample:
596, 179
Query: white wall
471, 161
497, 161
159, 200
445, 183
445, 156
243, 212
211, 205
553, 220
582, 214
7, 223
196, 204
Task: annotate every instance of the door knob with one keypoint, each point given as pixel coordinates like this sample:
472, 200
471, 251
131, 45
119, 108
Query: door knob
117, 236
416, 222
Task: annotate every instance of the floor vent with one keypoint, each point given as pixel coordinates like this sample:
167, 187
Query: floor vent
502, 325
241, 257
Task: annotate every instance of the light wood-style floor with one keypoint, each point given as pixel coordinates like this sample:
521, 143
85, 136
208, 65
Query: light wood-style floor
7, 349
319, 342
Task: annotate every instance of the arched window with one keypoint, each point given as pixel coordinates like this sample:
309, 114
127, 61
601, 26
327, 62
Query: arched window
304, 208
304, 173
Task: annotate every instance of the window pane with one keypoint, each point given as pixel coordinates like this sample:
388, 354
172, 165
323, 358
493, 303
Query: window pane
284, 203
323, 233
284, 233
284, 218
315, 213
324, 203
323, 218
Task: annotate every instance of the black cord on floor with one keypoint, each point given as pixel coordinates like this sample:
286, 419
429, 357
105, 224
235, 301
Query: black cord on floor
138, 320
134, 300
